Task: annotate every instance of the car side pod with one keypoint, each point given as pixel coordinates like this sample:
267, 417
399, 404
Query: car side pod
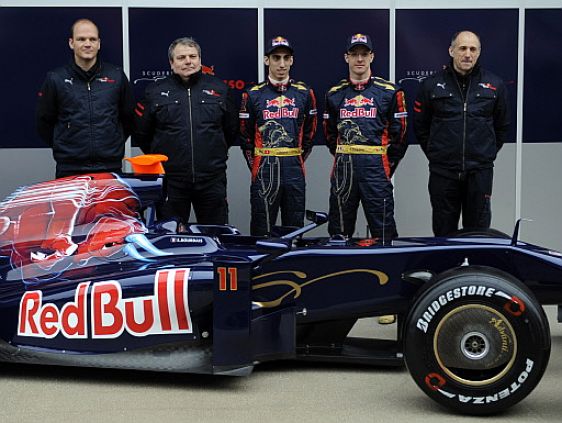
244, 334
476, 340
232, 352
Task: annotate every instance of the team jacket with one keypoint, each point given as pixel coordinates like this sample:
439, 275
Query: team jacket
370, 114
457, 133
275, 117
86, 117
193, 123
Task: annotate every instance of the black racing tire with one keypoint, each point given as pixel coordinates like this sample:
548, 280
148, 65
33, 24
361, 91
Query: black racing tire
476, 340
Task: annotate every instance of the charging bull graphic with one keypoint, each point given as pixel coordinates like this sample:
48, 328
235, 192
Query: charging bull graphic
274, 134
50, 227
350, 133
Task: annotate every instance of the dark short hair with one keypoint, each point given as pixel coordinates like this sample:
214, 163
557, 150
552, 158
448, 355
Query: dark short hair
81, 20
184, 41
456, 35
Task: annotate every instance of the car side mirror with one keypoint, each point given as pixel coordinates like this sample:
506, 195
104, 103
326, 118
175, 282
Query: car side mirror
273, 246
319, 218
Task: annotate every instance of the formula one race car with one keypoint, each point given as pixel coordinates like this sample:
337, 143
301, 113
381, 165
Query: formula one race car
89, 277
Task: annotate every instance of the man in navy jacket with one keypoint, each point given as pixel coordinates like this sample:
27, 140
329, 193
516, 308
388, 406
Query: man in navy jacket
85, 109
190, 117
461, 122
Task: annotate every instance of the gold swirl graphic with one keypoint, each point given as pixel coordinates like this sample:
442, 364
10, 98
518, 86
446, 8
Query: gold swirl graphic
298, 274
296, 288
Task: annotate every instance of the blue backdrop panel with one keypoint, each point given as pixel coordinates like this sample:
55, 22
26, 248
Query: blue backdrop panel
34, 41
423, 38
228, 39
319, 37
542, 115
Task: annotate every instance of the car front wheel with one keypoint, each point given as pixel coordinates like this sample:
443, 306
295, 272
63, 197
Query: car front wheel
476, 340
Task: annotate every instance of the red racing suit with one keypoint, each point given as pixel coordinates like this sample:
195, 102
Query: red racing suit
365, 128
277, 124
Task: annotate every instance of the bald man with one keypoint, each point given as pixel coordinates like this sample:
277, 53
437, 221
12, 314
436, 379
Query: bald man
85, 109
461, 121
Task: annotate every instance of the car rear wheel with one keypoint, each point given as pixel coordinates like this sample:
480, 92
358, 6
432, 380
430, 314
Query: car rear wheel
476, 340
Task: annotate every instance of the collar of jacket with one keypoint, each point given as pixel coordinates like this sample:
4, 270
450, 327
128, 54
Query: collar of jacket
475, 70
88, 75
279, 87
361, 85
192, 80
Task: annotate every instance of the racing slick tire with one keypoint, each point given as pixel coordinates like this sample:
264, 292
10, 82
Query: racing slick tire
476, 340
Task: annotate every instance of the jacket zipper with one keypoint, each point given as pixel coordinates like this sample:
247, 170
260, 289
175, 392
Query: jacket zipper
464, 110
90, 118
191, 136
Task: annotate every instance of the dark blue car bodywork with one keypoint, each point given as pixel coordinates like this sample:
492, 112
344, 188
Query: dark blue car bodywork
214, 301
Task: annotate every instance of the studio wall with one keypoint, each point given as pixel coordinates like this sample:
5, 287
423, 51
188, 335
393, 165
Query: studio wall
411, 43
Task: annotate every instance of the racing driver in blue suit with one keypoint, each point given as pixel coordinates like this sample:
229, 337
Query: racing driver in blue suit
277, 124
365, 128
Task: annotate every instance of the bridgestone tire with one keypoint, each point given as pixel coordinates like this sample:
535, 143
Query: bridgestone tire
476, 340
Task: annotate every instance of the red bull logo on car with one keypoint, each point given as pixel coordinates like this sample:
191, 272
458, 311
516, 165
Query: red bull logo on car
165, 312
359, 111
281, 103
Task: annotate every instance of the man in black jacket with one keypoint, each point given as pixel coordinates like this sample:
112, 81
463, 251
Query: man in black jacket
190, 117
461, 122
85, 109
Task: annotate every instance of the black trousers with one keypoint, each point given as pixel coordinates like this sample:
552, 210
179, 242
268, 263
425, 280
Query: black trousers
207, 197
468, 193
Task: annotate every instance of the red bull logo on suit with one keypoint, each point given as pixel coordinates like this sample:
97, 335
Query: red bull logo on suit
359, 111
281, 103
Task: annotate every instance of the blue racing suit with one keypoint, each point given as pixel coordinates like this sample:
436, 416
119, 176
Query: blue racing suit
277, 125
365, 128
